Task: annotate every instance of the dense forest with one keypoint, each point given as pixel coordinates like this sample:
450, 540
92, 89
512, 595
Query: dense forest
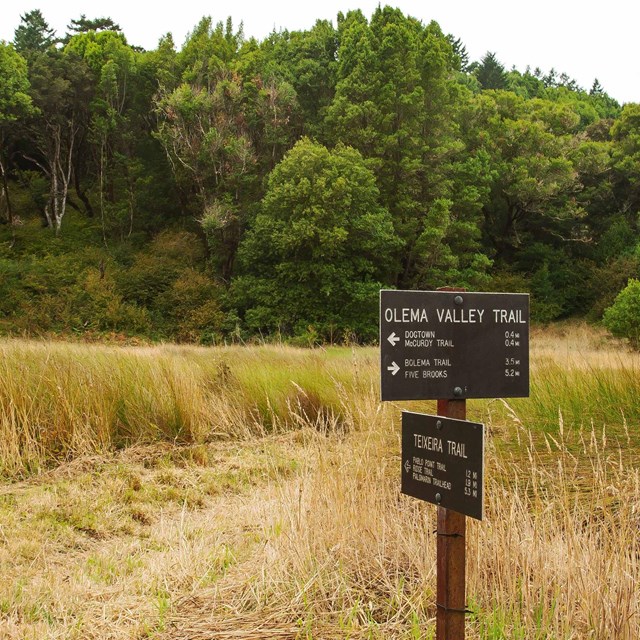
237, 188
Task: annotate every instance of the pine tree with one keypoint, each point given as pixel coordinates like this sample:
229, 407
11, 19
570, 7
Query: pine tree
33, 35
491, 73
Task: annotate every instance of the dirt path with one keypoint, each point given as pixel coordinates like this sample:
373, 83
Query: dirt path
126, 546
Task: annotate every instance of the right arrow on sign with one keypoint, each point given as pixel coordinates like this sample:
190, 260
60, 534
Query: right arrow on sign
394, 368
393, 339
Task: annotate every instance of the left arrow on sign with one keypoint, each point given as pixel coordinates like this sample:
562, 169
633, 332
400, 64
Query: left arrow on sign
407, 466
393, 339
394, 368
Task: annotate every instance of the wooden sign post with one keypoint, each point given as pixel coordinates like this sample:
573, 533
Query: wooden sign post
450, 345
451, 555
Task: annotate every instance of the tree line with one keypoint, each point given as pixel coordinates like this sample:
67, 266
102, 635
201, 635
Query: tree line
235, 187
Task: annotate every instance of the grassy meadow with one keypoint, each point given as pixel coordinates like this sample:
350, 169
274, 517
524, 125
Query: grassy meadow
177, 492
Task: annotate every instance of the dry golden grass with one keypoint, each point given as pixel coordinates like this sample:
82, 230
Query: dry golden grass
273, 509
58, 401
558, 555
104, 547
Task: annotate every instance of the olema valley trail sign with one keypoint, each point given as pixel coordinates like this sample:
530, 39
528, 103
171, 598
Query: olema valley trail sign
448, 346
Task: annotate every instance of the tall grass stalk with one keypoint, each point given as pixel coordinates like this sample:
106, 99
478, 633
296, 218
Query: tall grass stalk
557, 557
559, 554
58, 401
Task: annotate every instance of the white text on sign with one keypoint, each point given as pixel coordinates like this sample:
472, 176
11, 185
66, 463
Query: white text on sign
454, 316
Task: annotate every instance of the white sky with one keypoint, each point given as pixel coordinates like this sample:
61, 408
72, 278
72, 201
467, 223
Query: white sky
583, 38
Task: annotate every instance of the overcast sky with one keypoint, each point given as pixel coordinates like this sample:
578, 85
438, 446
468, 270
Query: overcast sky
584, 39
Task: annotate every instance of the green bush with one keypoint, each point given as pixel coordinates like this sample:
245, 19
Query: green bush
90, 304
320, 249
623, 317
542, 309
607, 280
95, 304
154, 270
192, 307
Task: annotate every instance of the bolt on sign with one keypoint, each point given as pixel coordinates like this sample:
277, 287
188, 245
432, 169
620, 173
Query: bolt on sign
443, 462
453, 345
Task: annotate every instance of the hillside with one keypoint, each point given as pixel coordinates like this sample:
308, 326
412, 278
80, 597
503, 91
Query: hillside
237, 189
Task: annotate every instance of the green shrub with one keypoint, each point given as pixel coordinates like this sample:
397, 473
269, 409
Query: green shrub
92, 303
607, 280
192, 307
557, 281
623, 317
320, 248
95, 304
154, 270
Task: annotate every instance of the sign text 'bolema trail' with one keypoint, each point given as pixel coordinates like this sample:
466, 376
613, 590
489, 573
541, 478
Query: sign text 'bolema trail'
445, 344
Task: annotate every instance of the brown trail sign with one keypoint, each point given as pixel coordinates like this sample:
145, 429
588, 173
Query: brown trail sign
443, 462
450, 345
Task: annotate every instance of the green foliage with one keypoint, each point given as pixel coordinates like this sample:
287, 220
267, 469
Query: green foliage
15, 103
14, 85
319, 249
154, 270
623, 317
33, 35
307, 60
490, 72
533, 182
94, 303
161, 293
617, 240
526, 85
208, 51
61, 88
626, 157
182, 301
606, 280
558, 283
191, 307
84, 25
61, 293
397, 102
424, 171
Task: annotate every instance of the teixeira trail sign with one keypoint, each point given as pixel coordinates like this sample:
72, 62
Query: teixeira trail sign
448, 344
443, 462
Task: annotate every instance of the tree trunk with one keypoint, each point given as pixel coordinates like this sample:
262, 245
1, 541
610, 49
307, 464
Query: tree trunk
61, 173
82, 195
5, 193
